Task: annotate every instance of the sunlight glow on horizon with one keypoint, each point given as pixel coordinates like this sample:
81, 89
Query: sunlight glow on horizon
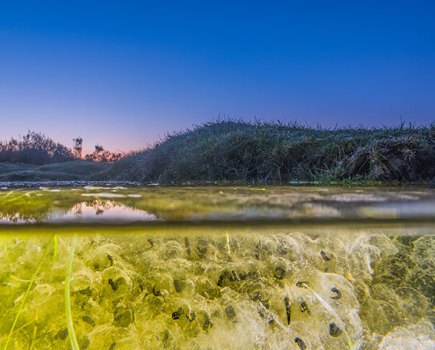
124, 75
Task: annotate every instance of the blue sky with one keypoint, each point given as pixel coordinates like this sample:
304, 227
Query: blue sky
123, 73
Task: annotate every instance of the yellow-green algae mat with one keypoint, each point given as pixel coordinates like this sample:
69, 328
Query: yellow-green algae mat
229, 286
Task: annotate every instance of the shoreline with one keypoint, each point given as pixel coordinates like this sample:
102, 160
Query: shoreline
4, 185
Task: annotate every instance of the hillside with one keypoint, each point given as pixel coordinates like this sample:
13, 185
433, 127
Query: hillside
240, 152
72, 170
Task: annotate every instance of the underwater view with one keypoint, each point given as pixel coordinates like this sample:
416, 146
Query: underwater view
302, 267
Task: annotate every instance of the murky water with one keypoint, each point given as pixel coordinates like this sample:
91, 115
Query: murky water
217, 268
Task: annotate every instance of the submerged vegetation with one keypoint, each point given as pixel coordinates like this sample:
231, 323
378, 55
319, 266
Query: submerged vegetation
184, 289
242, 285
237, 151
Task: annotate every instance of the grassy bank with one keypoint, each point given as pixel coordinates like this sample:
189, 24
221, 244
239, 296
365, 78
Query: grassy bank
235, 151
73, 170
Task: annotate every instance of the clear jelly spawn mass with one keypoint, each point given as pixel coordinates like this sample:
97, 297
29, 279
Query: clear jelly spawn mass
256, 289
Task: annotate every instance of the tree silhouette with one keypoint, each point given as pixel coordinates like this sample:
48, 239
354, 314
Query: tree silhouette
78, 147
34, 148
99, 148
101, 155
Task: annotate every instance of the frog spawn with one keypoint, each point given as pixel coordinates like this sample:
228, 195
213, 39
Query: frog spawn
263, 292
234, 276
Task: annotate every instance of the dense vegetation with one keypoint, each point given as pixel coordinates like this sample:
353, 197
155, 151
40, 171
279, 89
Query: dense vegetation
35, 157
36, 148
237, 151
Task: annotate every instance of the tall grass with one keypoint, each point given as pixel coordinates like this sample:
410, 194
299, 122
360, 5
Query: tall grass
237, 151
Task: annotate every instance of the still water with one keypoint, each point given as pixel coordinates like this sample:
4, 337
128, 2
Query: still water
114, 267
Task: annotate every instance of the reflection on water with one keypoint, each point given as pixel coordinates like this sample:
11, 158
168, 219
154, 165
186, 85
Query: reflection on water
16, 218
47, 205
241, 285
100, 211
406, 209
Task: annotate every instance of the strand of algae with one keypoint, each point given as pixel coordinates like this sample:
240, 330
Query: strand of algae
5, 249
33, 338
22, 327
55, 249
71, 333
32, 281
227, 245
19, 279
